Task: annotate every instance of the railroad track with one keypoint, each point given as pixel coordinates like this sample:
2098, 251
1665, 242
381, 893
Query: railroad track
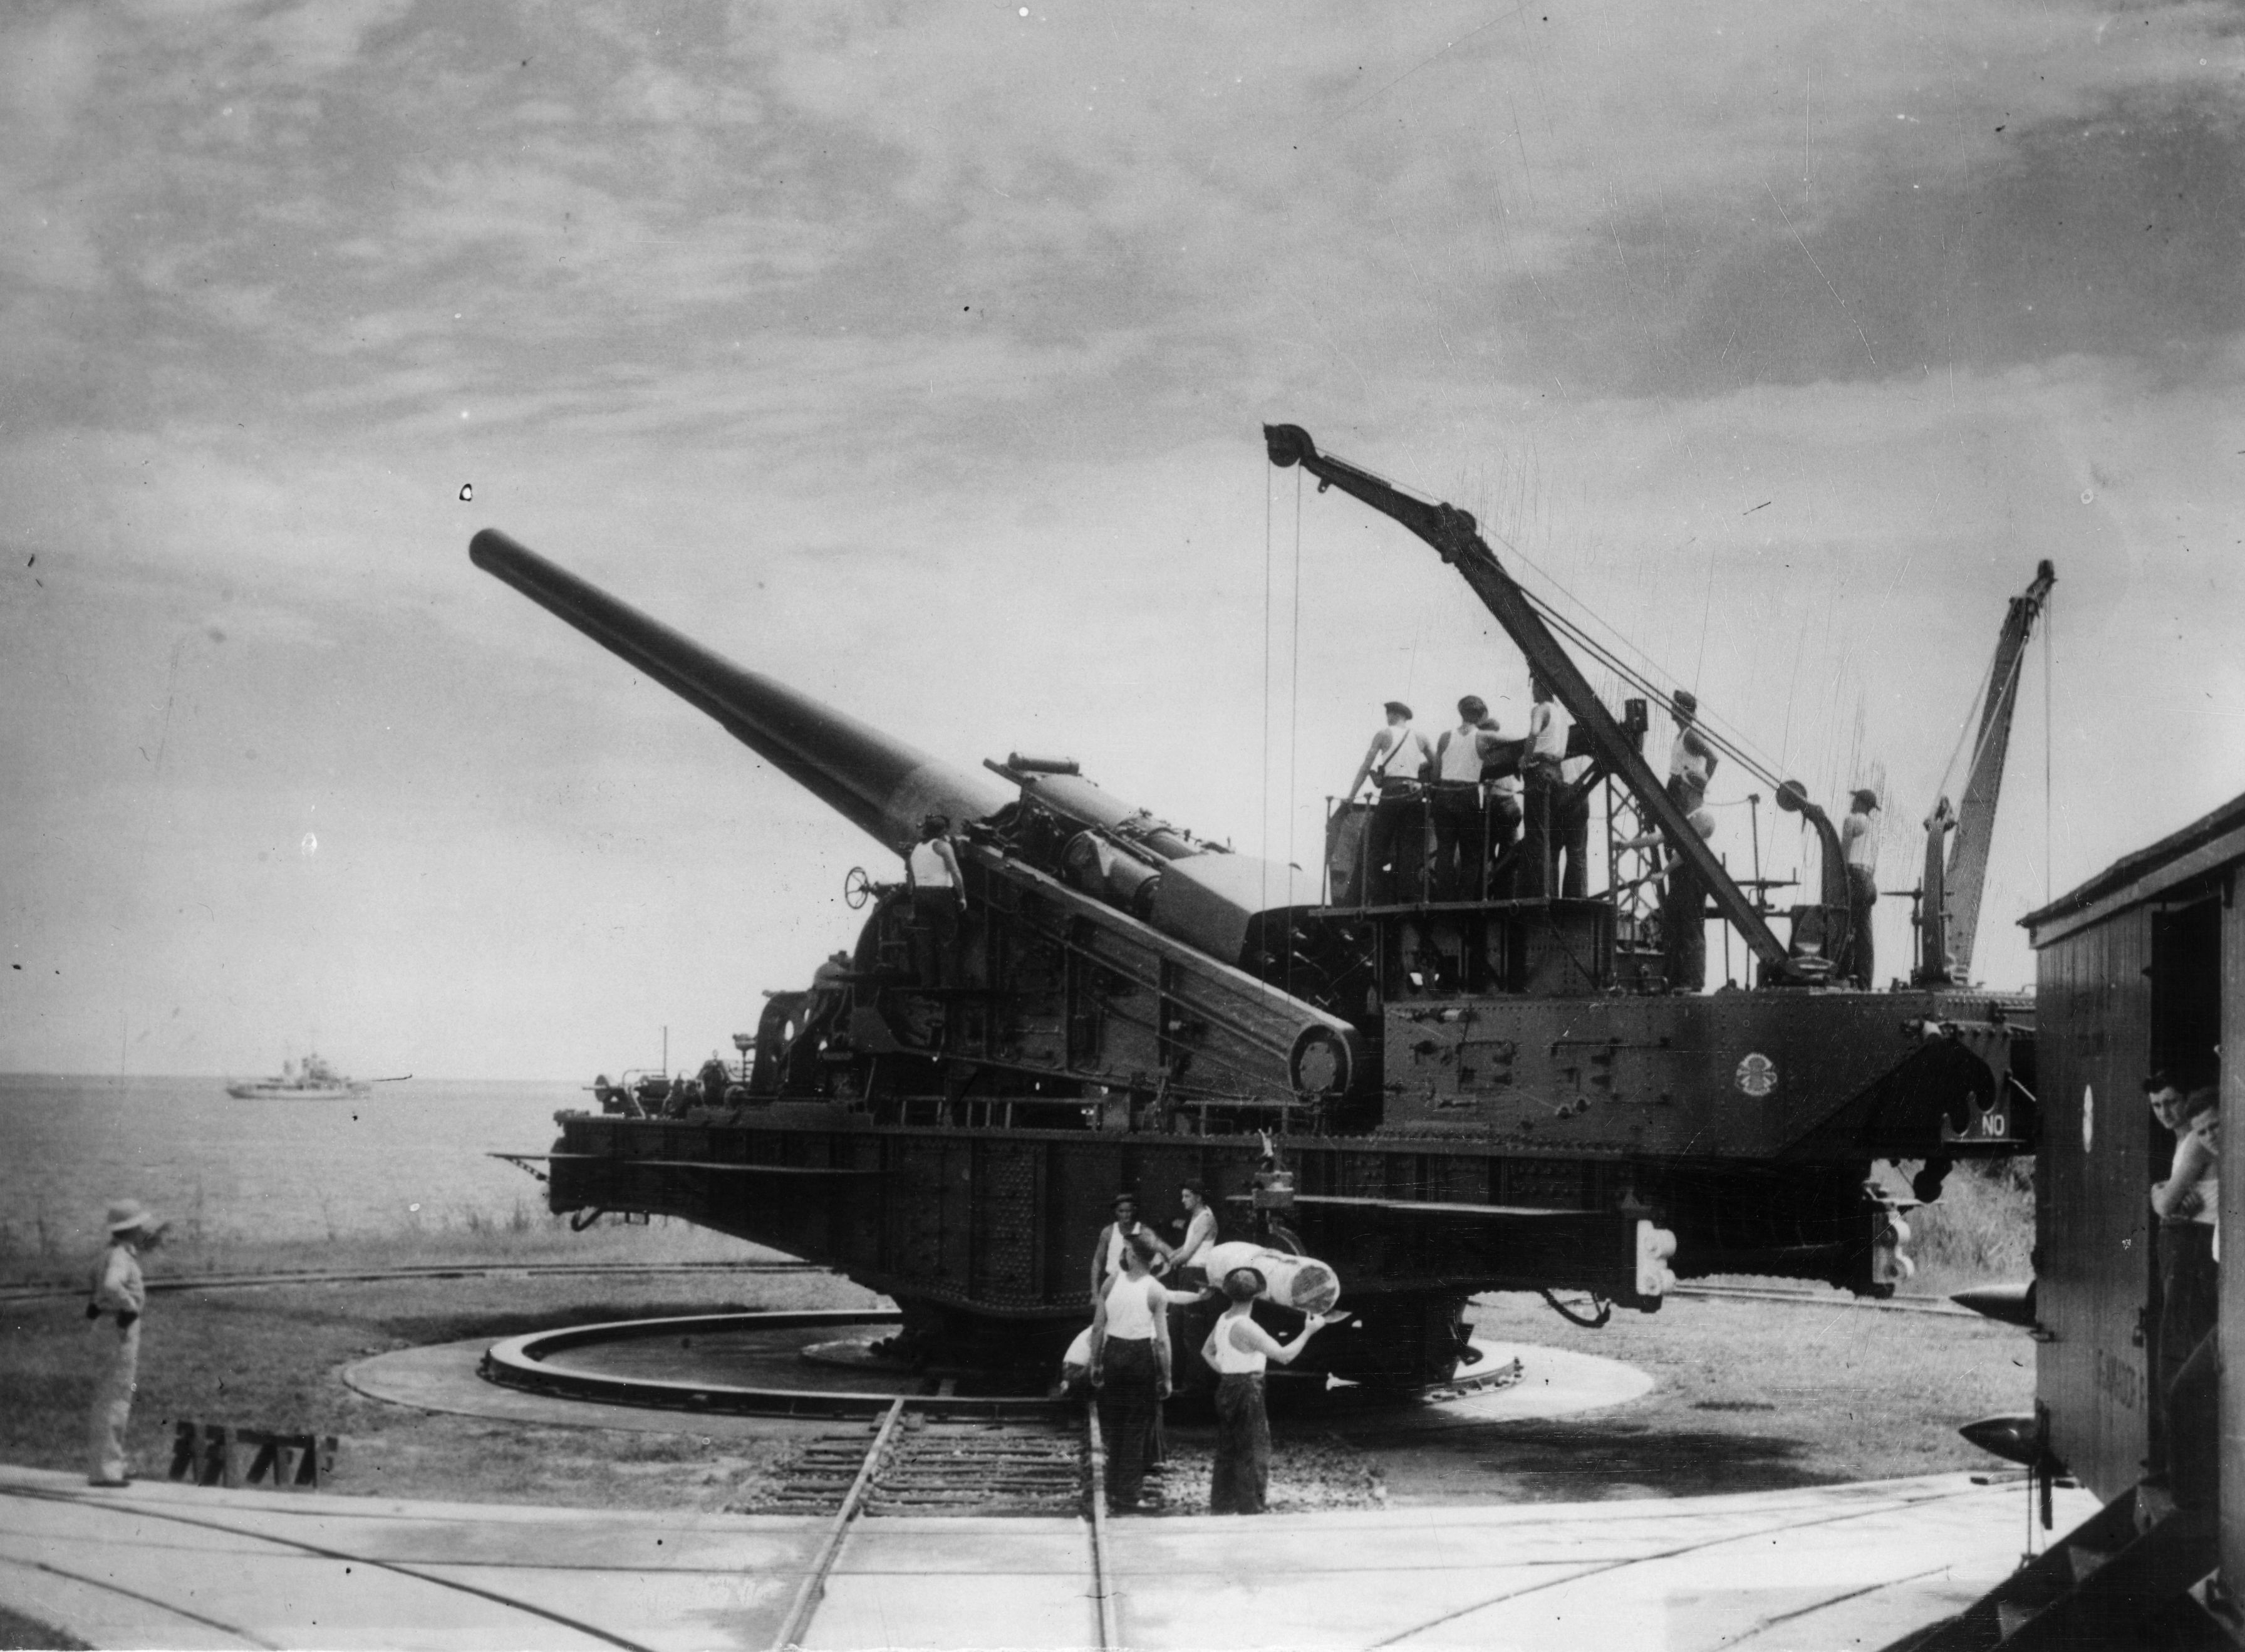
255, 1531
901, 1466
907, 1464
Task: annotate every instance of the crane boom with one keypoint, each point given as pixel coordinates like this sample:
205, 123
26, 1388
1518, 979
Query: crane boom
1951, 902
1454, 534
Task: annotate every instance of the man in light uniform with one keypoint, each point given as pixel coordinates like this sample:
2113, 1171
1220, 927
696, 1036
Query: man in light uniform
1460, 813
1859, 847
1541, 784
117, 1296
939, 898
1187, 1264
1396, 759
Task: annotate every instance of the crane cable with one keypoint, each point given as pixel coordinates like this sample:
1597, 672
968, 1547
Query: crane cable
1725, 746
2049, 672
1294, 722
1263, 836
1963, 731
1732, 745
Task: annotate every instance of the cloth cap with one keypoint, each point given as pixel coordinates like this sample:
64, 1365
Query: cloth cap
130, 1215
1702, 822
1686, 700
1864, 794
1244, 1284
1473, 708
1126, 1197
1399, 709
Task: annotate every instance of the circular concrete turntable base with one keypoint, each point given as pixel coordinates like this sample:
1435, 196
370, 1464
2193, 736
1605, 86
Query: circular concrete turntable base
736, 1374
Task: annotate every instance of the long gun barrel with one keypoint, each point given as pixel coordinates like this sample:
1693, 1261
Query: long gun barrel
878, 782
870, 778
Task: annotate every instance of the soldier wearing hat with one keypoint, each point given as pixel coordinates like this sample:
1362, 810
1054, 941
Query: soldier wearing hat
1859, 847
1396, 761
115, 1295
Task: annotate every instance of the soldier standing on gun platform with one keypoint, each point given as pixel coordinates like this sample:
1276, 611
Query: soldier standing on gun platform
1859, 847
1461, 816
1396, 758
939, 898
1683, 905
118, 1292
1547, 727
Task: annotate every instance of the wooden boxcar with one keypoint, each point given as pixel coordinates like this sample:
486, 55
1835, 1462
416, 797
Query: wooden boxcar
2141, 969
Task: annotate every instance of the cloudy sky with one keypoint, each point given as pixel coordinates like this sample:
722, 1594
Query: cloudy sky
916, 355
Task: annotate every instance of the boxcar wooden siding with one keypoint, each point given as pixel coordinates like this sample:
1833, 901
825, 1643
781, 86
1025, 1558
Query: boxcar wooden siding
2093, 1011
2232, 1330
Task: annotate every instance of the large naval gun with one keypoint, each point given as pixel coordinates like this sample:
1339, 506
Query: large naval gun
1437, 1098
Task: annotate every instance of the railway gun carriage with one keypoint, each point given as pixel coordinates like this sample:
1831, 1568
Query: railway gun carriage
1437, 1097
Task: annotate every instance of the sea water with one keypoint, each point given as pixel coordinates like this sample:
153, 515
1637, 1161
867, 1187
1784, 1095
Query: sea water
410, 1154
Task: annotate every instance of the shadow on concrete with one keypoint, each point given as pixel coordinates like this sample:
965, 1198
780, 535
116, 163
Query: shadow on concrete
1566, 1460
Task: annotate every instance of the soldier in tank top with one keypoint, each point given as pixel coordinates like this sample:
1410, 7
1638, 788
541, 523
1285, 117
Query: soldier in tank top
1395, 853
1461, 809
939, 899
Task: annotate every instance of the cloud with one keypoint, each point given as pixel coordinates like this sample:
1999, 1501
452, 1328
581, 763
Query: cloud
916, 356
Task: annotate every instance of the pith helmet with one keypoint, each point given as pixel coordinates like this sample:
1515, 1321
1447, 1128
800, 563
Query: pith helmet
131, 1216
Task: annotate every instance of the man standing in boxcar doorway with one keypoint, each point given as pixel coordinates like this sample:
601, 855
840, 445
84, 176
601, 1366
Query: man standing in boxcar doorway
117, 1295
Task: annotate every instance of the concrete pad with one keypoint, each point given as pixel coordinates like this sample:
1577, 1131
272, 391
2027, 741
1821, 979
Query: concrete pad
1554, 1382
1839, 1566
282, 1569
442, 1377
919, 1581
101, 1615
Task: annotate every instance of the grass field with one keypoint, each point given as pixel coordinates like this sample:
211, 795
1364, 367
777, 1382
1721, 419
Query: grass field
1981, 1229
